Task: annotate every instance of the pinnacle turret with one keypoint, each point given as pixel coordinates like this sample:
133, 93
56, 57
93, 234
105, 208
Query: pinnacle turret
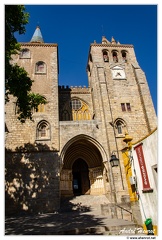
113, 40
104, 40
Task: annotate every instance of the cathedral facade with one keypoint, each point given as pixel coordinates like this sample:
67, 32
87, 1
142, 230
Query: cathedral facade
66, 149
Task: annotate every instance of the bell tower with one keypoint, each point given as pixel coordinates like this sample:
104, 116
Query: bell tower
121, 101
120, 93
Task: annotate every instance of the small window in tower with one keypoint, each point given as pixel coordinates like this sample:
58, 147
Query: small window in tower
43, 131
115, 56
124, 56
40, 67
123, 107
105, 56
25, 53
119, 127
128, 107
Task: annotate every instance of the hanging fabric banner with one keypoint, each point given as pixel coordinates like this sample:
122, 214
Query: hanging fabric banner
142, 165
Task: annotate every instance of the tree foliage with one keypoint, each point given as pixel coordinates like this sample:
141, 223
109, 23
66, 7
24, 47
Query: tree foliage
17, 81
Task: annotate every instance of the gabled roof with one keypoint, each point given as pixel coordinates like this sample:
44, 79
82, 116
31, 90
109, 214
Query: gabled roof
37, 36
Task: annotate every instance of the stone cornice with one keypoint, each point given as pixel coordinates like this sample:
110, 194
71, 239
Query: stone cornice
112, 45
39, 44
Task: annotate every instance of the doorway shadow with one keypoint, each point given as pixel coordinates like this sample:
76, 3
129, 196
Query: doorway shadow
81, 182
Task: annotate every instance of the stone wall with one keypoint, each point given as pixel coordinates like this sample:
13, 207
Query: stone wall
45, 84
32, 180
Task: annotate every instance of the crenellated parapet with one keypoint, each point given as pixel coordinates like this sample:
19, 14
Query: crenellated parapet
75, 89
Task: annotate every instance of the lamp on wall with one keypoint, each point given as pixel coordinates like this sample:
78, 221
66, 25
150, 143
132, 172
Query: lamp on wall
114, 161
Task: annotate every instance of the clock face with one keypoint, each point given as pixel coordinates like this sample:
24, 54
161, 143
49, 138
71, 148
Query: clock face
118, 73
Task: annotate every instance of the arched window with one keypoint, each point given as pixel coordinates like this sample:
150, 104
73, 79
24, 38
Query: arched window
25, 53
120, 127
43, 130
80, 110
105, 56
124, 56
115, 56
40, 67
75, 110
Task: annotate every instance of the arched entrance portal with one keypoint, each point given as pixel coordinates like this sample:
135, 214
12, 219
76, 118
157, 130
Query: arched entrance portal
83, 171
80, 173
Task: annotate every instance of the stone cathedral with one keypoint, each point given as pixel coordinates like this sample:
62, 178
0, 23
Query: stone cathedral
66, 149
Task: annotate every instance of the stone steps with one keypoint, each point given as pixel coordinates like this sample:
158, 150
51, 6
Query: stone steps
91, 206
80, 215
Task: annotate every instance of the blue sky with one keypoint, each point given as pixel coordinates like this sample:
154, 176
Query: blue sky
75, 27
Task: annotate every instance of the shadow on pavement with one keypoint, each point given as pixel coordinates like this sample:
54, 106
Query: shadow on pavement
65, 222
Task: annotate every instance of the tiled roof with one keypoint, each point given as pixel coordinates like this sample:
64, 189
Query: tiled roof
37, 36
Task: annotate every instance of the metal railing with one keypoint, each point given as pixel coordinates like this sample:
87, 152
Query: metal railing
123, 209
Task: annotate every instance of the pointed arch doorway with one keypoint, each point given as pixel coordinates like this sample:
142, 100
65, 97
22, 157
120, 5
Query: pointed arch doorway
80, 174
83, 170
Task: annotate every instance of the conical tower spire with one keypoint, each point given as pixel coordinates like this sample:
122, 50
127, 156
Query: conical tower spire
37, 36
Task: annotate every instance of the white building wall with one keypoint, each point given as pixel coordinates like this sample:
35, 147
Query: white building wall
148, 201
